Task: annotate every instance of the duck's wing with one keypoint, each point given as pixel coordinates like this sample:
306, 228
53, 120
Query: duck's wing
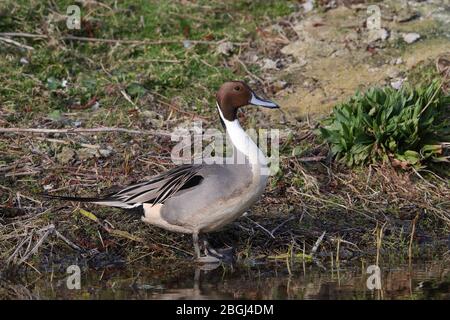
155, 191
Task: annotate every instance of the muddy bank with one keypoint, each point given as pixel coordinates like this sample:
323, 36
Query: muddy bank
336, 54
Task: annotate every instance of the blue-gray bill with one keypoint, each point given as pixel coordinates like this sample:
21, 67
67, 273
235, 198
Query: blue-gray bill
257, 101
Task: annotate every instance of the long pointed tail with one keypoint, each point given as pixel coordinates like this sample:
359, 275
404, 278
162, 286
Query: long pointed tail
101, 201
77, 199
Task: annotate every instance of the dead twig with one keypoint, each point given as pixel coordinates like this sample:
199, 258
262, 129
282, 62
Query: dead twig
267, 231
250, 73
379, 241
46, 232
23, 35
171, 106
317, 244
84, 130
411, 239
281, 224
128, 98
15, 43
70, 243
114, 41
345, 241
84, 145
22, 173
312, 159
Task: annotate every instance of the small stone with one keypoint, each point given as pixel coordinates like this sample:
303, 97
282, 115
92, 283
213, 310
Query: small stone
397, 84
278, 85
378, 34
86, 153
153, 118
253, 58
66, 155
406, 16
187, 44
393, 73
396, 61
225, 48
105, 153
384, 34
24, 61
269, 64
301, 62
95, 106
410, 37
150, 114
308, 5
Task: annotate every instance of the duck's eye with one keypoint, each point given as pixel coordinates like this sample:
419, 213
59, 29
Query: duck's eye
237, 88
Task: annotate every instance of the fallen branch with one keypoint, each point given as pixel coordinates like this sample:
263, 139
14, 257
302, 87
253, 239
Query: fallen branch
23, 35
22, 173
317, 244
171, 106
312, 159
113, 41
15, 43
84, 130
142, 42
268, 232
252, 75
46, 231
84, 145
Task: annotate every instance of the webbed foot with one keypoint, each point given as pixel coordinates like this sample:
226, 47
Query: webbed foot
212, 255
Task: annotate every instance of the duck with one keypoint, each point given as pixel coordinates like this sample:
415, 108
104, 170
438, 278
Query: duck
201, 198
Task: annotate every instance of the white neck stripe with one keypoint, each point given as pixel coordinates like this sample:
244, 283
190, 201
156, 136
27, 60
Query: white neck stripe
242, 141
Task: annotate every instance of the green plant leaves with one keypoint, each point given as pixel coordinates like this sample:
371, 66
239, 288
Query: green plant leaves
408, 125
136, 90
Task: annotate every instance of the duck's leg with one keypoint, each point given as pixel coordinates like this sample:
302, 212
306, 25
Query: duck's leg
210, 250
224, 255
196, 246
211, 256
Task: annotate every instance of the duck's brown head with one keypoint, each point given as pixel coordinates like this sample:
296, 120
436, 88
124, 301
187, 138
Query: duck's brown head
235, 94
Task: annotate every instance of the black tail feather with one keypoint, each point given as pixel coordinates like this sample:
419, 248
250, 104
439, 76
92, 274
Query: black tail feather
77, 199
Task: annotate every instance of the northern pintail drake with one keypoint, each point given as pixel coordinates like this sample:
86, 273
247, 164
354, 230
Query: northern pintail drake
200, 198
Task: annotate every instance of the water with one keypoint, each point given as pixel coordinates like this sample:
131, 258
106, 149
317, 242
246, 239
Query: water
421, 281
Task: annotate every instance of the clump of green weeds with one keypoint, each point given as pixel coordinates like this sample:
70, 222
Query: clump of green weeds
409, 127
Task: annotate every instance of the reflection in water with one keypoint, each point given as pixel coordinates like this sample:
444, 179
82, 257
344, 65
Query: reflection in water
426, 281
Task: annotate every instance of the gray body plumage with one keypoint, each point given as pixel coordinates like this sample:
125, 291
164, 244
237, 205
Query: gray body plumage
191, 198
223, 195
